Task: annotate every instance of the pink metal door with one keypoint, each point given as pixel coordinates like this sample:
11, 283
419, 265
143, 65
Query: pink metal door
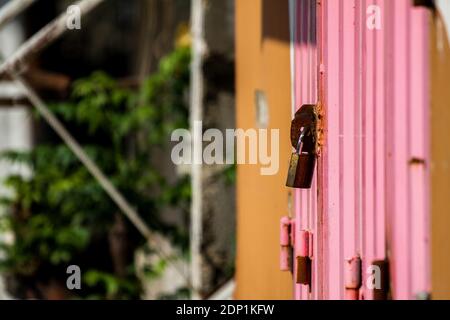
365, 63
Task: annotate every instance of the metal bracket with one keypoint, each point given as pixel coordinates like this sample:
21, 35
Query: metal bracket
353, 278
304, 262
383, 292
304, 271
286, 243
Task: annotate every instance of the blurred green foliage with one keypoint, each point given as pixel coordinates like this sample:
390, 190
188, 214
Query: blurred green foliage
61, 216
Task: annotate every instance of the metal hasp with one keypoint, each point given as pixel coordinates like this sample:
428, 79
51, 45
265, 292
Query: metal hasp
303, 139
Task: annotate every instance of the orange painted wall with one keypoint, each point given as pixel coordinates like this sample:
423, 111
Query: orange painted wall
263, 63
440, 156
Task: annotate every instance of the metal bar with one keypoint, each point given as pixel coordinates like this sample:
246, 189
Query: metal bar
11, 9
333, 55
400, 207
198, 50
419, 138
42, 39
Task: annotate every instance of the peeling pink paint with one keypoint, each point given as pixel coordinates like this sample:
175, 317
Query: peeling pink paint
370, 196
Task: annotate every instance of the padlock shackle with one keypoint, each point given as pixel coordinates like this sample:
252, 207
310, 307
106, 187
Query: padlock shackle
305, 118
301, 139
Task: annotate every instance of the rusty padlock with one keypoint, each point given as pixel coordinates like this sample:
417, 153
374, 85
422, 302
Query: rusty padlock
303, 160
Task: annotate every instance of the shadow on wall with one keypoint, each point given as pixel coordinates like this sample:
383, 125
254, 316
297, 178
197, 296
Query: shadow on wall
275, 26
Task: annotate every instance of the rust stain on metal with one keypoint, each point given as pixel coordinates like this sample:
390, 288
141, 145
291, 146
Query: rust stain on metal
320, 128
303, 271
417, 162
